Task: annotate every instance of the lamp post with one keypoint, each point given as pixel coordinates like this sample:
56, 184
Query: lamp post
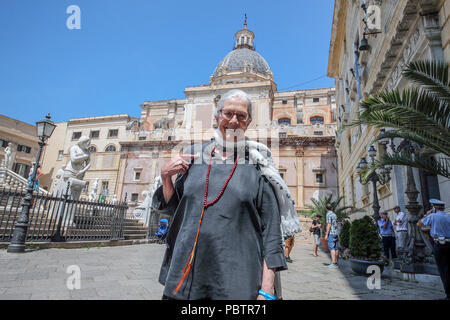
418, 251
381, 175
44, 130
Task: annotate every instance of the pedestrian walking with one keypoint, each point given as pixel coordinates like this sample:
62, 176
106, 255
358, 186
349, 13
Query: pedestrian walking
401, 229
316, 225
387, 233
439, 223
289, 244
332, 237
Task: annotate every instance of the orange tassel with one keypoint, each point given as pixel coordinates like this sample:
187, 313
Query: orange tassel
191, 256
182, 280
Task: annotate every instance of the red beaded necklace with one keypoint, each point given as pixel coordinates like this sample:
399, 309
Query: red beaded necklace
206, 204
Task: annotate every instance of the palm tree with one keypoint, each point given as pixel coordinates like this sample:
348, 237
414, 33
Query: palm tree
420, 114
318, 207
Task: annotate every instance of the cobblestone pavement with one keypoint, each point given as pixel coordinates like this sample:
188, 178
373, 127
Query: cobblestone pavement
131, 272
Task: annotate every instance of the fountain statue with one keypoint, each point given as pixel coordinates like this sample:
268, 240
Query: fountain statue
72, 173
143, 210
93, 193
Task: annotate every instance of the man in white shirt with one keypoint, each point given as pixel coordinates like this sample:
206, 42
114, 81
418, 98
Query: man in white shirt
401, 229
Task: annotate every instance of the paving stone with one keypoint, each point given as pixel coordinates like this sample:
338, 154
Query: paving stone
83, 294
131, 272
33, 275
23, 290
59, 294
40, 296
10, 284
10, 276
15, 296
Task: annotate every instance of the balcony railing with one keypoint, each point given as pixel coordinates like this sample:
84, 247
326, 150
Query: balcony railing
177, 134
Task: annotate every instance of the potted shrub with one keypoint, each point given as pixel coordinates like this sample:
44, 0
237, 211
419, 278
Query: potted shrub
344, 239
364, 242
319, 207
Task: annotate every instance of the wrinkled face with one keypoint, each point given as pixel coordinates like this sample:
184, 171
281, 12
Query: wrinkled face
231, 119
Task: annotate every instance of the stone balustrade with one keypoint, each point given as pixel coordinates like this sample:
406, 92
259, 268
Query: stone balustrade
10, 179
177, 134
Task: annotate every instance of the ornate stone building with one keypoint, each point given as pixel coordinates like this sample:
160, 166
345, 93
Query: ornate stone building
105, 133
24, 144
298, 125
408, 30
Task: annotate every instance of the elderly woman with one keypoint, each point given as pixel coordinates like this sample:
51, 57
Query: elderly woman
225, 240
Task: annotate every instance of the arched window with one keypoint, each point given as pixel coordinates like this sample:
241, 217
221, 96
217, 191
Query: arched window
110, 148
314, 120
285, 121
92, 149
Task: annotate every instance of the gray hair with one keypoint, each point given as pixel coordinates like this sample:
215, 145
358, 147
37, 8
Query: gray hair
235, 93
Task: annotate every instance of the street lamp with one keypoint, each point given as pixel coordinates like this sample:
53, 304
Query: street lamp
44, 130
418, 251
382, 175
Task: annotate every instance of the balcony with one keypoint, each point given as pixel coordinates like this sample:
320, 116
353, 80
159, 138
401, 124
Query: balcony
272, 130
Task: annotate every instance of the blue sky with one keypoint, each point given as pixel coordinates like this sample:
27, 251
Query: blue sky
131, 51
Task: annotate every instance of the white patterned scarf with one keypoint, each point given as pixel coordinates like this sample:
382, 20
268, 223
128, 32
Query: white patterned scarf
260, 154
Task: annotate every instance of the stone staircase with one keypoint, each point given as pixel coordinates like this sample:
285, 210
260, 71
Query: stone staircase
39, 226
42, 215
42, 228
11, 180
134, 229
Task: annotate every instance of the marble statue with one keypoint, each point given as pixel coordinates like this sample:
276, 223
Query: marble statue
80, 160
93, 193
73, 173
156, 183
144, 209
7, 161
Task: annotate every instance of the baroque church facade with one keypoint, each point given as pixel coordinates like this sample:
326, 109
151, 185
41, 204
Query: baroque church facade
299, 126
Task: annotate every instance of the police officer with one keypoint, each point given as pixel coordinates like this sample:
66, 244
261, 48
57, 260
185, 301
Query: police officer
439, 223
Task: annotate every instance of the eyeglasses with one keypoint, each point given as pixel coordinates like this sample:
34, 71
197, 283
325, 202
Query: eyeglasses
228, 115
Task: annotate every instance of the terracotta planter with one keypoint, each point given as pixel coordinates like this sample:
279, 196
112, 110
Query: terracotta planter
324, 244
360, 266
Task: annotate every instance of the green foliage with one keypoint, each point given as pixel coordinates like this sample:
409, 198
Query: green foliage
420, 114
344, 237
364, 239
319, 207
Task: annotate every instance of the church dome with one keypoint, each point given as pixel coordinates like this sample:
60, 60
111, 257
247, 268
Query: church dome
243, 64
242, 59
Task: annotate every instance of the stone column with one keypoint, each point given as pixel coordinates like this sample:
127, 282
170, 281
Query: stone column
263, 111
299, 154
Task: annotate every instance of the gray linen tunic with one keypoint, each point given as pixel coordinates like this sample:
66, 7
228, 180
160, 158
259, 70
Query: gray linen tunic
237, 234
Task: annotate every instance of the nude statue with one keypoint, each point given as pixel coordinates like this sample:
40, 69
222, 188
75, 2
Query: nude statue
73, 173
93, 194
80, 159
8, 151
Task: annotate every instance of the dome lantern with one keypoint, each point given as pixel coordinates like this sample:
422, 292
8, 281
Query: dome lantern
244, 37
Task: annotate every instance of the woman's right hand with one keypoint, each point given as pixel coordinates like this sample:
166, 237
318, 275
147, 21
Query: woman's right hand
176, 165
